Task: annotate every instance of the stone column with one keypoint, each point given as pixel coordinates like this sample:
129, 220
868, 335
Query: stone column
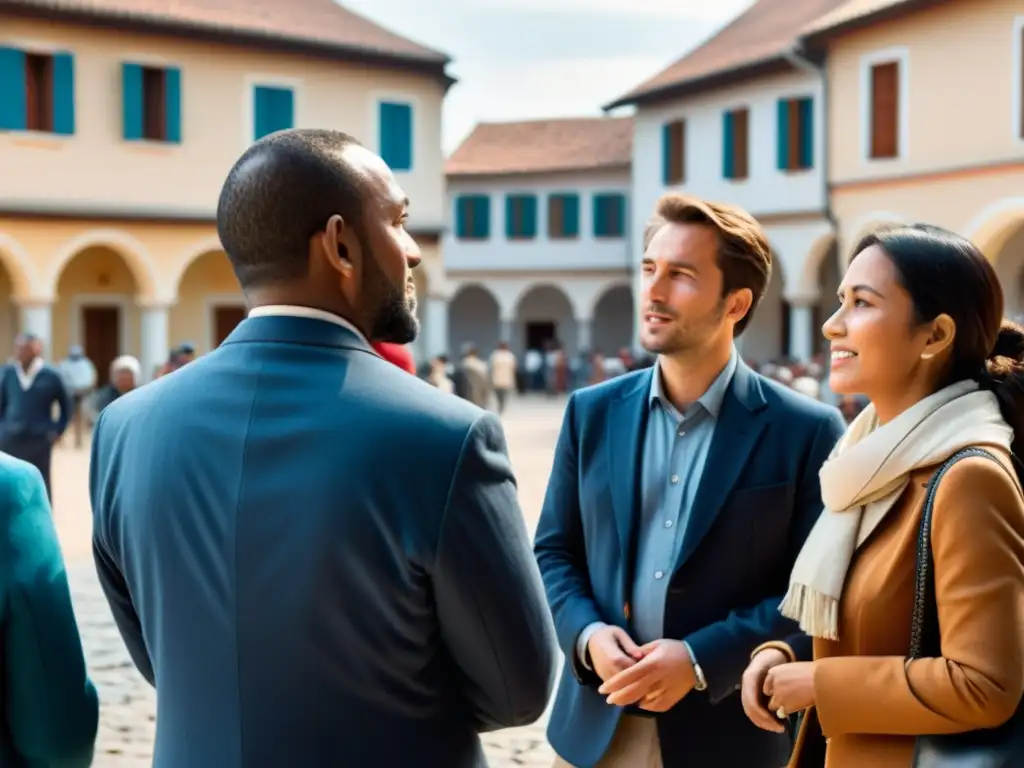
584, 328
508, 331
36, 317
801, 326
435, 326
155, 334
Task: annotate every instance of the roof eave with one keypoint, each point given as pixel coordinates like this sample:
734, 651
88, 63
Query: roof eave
819, 37
432, 65
492, 174
712, 81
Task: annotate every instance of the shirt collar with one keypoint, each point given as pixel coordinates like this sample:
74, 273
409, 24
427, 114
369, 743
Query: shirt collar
291, 310
712, 398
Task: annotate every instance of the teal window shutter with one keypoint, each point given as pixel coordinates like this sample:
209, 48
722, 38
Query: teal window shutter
131, 80
64, 94
461, 205
172, 107
620, 218
609, 215
666, 154
600, 216
783, 137
13, 95
396, 135
571, 215
482, 216
260, 113
528, 206
511, 225
285, 109
728, 145
806, 108
273, 110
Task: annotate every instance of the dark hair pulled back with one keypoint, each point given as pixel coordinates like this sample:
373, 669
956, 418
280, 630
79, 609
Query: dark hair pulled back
945, 273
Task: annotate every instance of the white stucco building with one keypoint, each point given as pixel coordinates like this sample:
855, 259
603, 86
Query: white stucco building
539, 241
741, 119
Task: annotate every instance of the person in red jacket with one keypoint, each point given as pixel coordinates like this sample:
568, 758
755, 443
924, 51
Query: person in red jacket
398, 354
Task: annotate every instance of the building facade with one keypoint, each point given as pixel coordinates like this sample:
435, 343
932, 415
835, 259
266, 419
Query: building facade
927, 122
538, 246
741, 120
117, 130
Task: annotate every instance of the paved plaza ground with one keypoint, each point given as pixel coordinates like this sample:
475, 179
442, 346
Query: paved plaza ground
128, 709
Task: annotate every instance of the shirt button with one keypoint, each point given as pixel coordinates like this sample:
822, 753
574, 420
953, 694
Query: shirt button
668, 523
658, 574
675, 479
682, 432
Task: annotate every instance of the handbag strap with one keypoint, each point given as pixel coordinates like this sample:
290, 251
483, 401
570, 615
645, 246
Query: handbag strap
924, 629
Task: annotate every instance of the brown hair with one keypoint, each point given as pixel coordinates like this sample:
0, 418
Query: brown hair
744, 255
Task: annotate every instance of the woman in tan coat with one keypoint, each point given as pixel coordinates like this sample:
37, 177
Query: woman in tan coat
920, 332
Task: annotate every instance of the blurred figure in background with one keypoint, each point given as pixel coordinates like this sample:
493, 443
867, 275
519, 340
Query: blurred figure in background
503, 374
80, 378
438, 375
125, 373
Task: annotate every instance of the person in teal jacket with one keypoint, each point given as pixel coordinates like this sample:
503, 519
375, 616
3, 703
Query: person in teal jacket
49, 710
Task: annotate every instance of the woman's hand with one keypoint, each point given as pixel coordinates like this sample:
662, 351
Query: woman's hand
790, 688
753, 683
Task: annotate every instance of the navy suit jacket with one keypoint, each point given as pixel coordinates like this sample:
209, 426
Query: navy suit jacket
757, 500
317, 559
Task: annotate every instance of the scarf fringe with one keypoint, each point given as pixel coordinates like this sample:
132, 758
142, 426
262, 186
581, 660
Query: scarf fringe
817, 613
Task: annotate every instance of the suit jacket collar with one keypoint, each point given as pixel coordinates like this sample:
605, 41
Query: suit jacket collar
289, 329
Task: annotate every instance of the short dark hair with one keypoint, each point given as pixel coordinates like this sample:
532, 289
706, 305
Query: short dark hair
744, 254
945, 273
279, 194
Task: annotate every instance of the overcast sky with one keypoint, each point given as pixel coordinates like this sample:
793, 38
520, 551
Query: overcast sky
518, 59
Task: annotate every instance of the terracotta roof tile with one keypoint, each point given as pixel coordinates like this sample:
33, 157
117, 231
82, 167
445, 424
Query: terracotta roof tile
763, 32
544, 146
855, 10
321, 23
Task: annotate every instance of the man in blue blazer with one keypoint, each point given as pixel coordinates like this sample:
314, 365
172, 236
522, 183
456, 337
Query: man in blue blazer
679, 498
317, 559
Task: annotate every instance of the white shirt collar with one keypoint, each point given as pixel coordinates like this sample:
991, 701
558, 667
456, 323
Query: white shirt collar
27, 377
290, 310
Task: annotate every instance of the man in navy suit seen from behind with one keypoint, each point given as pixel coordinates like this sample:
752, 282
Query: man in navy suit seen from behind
679, 498
316, 558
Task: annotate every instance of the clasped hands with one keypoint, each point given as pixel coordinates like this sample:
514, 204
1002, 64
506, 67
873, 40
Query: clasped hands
774, 688
655, 676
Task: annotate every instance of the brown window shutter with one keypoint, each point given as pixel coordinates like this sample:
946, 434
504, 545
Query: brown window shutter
677, 152
154, 89
556, 217
741, 151
885, 110
39, 92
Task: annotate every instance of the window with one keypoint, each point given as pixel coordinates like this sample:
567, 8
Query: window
521, 217
673, 153
273, 109
796, 134
472, 217
152, 103
563, 216
885, 110
610, 215
396, 135
37, 91
736, 144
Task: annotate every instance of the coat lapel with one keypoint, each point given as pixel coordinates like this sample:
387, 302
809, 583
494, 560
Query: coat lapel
740, 424
627, 423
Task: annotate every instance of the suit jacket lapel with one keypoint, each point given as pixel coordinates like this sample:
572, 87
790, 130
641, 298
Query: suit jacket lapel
627, 424
740, 424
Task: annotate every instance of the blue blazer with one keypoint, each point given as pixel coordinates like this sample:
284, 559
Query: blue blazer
317, 558
757, 500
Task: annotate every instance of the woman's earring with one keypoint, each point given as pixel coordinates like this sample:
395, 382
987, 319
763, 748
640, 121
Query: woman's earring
927, 355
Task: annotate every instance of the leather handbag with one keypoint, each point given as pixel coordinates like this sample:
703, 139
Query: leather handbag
1001, 747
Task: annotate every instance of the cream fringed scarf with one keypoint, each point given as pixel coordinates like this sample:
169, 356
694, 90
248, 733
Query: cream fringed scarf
865, 475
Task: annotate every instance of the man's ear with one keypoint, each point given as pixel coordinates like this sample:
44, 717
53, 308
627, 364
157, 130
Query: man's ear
341, 246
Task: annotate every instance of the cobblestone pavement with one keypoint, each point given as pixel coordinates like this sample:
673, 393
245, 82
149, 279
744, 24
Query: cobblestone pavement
128, 708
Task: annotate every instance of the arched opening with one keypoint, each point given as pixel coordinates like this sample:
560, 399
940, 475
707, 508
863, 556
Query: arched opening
210, 303
545, 315
96, 308
613, 320
474, 317
1009, 266
829, 277
13, 282
766, 336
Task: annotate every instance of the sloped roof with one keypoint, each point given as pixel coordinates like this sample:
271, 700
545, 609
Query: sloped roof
857, 13
544, 146
758, 37
318, 24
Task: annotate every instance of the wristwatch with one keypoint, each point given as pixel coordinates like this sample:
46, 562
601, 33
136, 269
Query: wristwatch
701, 683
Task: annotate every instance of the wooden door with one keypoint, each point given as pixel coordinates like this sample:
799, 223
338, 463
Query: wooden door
101, 334
224, 321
